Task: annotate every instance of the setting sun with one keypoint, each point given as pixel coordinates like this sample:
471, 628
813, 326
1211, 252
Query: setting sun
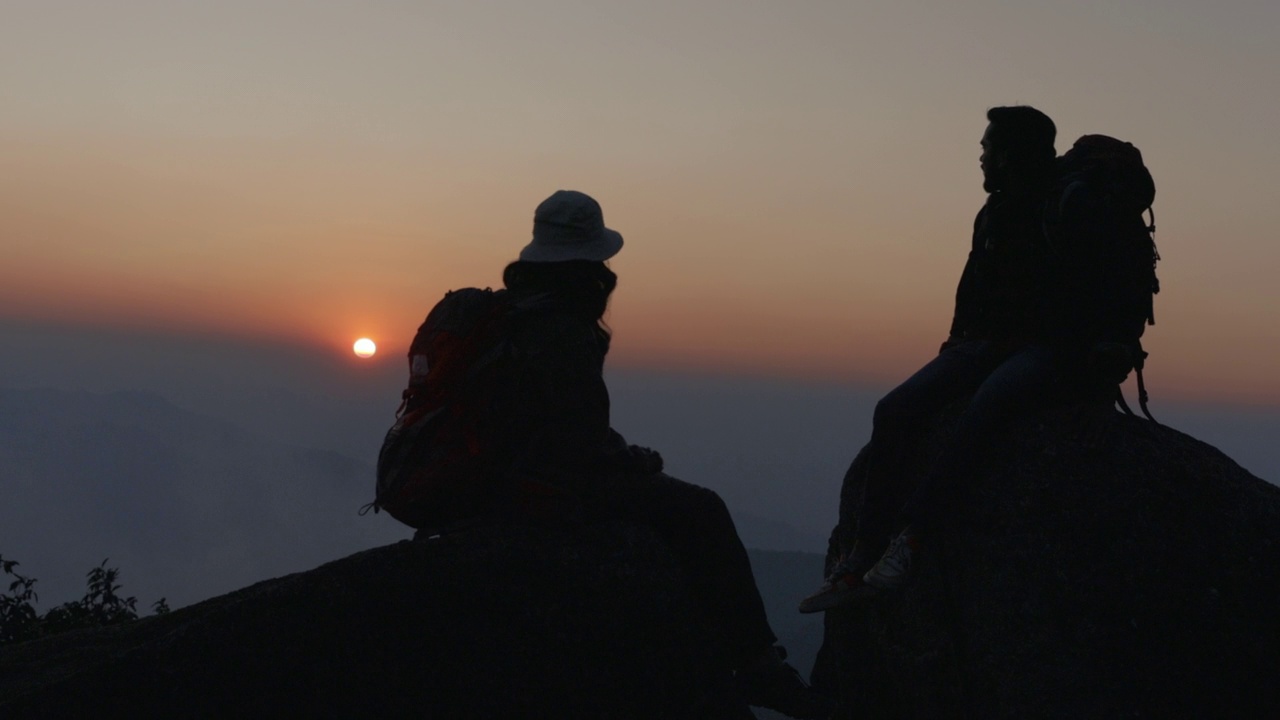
364, 348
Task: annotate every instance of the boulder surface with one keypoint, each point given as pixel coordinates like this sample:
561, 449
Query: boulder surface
1097, 566
505, 622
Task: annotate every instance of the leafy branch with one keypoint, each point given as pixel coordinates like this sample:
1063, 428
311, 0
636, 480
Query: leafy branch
101, 605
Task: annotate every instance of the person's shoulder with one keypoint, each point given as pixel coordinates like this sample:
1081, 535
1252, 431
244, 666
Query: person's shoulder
538, 329
980, 217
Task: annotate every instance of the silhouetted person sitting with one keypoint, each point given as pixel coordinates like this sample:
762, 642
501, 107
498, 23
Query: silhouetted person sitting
551, 437
1013, 336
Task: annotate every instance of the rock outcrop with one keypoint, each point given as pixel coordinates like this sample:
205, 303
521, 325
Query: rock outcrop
492, 623
1099, 566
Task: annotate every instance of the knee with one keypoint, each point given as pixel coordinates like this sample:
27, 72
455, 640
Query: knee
687, 496
707, 506
891, 414
710, 501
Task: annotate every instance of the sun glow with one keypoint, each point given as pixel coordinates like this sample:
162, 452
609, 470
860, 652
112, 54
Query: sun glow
364, 348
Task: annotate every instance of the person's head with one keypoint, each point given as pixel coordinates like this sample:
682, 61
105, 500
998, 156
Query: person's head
1017, 148
567, 256
569, 225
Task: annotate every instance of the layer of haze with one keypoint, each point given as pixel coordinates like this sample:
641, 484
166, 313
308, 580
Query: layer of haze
795, 181
200, 465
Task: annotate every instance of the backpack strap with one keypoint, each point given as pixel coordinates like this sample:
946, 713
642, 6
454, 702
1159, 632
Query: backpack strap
1142, 396
1121, 402
1142, 390
1155, 252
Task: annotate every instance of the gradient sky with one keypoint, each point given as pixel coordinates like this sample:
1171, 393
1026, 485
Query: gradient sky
795, 180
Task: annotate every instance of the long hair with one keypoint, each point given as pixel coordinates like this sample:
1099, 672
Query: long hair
580, 287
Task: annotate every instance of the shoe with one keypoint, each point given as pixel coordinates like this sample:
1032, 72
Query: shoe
891, 571
769, 682
843, 584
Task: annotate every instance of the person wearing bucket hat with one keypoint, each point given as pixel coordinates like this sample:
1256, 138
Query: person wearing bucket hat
553, 428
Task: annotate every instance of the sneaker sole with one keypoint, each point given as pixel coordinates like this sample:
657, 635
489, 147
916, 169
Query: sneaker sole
823, 603
879, 585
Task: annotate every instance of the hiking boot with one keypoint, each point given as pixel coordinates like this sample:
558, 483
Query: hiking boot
891, 571
769, 682
843, 584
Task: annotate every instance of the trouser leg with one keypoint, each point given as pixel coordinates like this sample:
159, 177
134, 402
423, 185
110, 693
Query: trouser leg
1010, 389
899, 417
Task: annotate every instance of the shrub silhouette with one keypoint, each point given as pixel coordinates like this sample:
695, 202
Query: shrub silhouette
18, 618
101, 605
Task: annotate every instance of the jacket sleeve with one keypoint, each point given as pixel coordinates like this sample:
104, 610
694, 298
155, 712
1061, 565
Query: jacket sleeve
962, 320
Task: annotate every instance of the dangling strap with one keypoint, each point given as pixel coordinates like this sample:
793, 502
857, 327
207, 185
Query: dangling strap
1120, 401
405, 397
1142, 397
1155, 258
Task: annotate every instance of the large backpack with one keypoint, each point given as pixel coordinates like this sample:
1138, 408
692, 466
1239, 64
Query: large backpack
1122, 188
437, 462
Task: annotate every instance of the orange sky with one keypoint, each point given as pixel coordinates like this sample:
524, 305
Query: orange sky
795, 184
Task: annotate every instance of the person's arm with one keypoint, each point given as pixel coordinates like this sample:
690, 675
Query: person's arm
966, 291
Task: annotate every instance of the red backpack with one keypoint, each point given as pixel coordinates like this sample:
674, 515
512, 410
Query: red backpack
436, 466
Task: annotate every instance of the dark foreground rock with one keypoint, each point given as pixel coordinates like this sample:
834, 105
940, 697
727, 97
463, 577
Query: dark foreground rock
497, 623
1100, 567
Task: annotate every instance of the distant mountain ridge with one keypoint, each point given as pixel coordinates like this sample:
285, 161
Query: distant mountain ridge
186, 505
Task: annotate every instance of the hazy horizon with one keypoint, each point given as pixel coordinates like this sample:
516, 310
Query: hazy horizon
774, 448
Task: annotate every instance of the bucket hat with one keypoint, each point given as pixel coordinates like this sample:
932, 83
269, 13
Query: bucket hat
569, 225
